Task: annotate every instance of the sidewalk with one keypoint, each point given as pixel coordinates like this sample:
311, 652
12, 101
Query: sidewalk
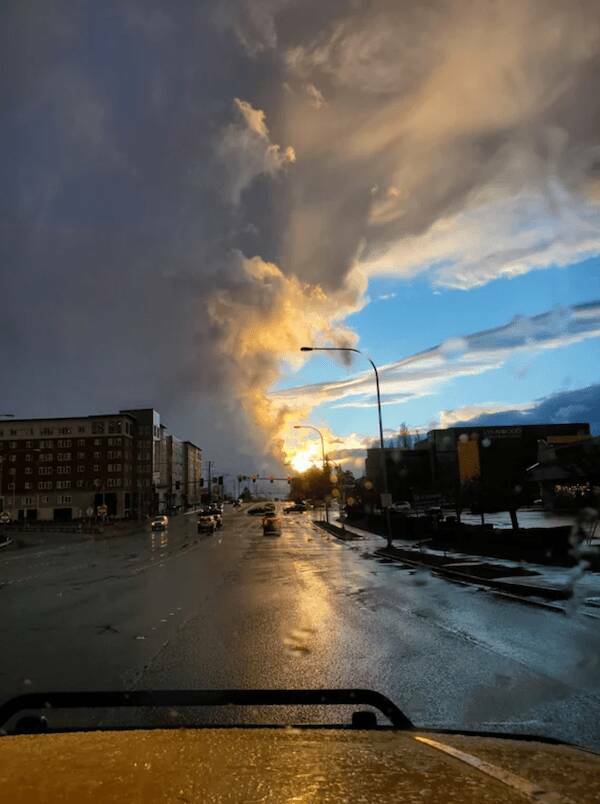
558, 588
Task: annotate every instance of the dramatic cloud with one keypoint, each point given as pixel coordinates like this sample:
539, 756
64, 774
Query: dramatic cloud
579, 404
460, 138
246, 151
211, 184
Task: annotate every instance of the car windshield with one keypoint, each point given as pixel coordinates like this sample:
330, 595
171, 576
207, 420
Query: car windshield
339, 261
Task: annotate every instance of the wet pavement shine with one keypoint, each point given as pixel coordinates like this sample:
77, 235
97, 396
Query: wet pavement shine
237, 609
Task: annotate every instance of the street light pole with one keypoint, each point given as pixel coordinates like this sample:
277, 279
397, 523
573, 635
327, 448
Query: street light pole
316, 429
385, 495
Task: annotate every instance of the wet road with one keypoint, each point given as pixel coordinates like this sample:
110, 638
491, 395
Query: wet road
237, 609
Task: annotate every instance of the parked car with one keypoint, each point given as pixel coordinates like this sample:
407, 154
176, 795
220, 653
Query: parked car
206, 523
237, 503
271, 525
4, 518
160, 522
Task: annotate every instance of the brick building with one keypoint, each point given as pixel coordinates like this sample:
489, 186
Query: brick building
63, 468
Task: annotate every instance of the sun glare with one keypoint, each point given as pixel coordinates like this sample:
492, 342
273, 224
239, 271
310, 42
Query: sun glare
302, 461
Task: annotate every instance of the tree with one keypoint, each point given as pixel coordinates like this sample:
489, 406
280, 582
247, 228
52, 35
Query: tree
489, 496
404, 437
246, 495
315, 483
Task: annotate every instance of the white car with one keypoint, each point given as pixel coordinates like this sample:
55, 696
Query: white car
160, 523
402, 507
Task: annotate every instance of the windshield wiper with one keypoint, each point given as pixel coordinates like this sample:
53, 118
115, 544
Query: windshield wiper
219, 698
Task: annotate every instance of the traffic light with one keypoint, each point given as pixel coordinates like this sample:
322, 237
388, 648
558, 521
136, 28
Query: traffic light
271, 479
220, 480
254, 478
289, 480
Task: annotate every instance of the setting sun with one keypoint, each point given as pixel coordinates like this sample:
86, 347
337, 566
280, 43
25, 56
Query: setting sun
306, 457
302, 461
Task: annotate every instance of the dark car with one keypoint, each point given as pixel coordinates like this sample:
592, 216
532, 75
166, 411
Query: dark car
297, 508
257, 510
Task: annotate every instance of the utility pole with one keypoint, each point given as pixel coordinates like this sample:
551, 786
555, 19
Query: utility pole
210, 481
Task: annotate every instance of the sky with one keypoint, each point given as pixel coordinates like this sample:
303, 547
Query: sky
194, 190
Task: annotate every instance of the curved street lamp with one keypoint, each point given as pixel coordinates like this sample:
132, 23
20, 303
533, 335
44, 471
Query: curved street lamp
385, 495
316, 429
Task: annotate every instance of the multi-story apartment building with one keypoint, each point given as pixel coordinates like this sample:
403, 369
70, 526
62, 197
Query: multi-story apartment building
60, 468
65, 468
192, 474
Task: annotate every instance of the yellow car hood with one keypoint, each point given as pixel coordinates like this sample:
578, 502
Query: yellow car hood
199, 765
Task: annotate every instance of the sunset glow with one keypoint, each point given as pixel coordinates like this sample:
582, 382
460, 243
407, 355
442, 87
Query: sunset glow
305, 458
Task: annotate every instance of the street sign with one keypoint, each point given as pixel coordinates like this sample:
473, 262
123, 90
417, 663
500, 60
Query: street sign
386, 500
89, 511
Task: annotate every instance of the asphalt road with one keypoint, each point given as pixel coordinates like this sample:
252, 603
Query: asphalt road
236, 609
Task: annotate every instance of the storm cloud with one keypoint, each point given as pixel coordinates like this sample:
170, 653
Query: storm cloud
192, 190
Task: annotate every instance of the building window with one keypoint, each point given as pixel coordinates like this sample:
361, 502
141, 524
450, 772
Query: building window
81, 442
96, 467
114, 427
114, 442
63, 484
98, 427
44, 499
66, 430
13, 458
80, 484
13, 432
65, 499
81, 468
28, 458
63, 456
28, 486
26, 500
12, 471
12, 444
11, 486
46, 431
114, 483
44, 470
81, 429
28, 445
28, 470
63, 442
63, 470
45, 444
97, 455
97, 482
81, 456
45, 484
97, 442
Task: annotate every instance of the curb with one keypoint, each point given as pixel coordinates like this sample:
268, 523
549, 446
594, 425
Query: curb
504, 587
496, 588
